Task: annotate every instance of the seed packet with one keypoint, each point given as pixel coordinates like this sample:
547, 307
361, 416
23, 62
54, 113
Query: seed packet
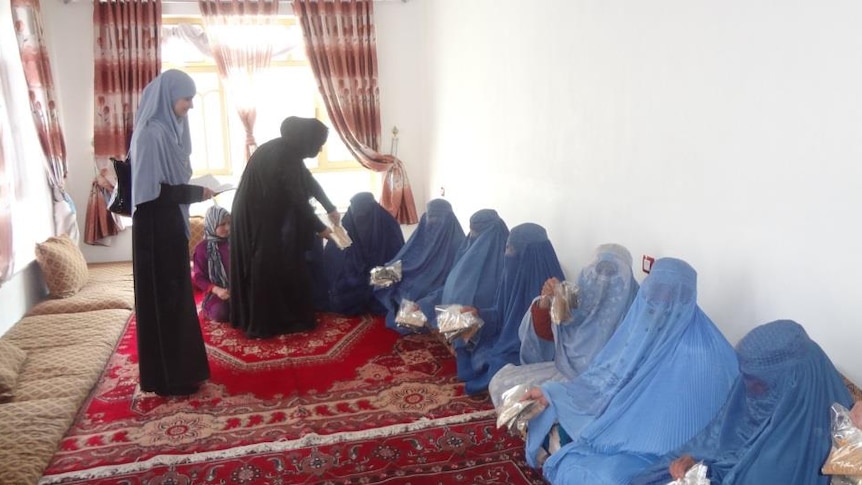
565, 300
385, 276
516, 410
845, 458
340, 238
410, 316
452, 322
696, 475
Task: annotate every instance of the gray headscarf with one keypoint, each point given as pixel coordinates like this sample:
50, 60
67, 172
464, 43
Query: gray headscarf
161, 142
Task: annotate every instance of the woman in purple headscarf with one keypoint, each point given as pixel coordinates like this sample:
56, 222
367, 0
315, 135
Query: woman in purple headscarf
171, 354
211, 263
376, 237
426, 259
529, 261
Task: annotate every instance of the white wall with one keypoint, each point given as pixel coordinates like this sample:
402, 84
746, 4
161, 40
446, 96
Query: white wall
723, 133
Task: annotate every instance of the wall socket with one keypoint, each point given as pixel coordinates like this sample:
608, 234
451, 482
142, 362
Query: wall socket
647, 263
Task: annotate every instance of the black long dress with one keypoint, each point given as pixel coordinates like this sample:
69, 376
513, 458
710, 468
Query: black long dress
171, 351
273, 227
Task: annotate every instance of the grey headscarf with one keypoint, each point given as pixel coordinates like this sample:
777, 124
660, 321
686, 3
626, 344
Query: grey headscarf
161, 142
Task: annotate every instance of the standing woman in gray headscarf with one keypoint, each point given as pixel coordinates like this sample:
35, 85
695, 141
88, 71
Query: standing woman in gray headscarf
171, 354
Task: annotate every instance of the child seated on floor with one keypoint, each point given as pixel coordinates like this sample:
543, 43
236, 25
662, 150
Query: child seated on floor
211, 263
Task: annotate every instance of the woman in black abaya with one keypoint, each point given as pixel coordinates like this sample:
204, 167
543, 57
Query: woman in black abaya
272, 229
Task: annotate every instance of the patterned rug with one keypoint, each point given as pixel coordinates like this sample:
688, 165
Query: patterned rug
350, 402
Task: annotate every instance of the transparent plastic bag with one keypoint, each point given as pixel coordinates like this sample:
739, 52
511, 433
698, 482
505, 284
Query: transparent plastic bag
410, 315
453, 323
340, 238
696, 475
515, 411
845, 457
565, 300
384, 276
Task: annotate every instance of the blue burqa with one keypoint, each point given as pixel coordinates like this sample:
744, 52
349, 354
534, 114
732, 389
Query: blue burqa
476, 275
659, 380
607, 288
377, 237
426, 259
529, 261
775, 426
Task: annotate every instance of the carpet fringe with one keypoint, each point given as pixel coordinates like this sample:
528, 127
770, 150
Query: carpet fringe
311, 439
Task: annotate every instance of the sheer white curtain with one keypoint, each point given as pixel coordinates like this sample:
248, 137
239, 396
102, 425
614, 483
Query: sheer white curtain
25, 199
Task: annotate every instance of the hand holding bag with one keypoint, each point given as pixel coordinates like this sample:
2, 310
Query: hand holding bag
121, 198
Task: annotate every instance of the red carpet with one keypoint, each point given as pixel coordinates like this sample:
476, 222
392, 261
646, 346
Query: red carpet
350, 402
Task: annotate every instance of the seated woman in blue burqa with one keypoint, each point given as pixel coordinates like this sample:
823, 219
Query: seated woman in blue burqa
376, 237
478, 268
775, 426
560, 352
660, 379
529, 260
426, 259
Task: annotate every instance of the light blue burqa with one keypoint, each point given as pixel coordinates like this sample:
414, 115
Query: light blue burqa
478, 269
529, 261
607, 288
775, 426
659, 380
426, 259
161, 142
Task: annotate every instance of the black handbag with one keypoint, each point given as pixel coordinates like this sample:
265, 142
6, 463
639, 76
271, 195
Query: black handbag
121, 198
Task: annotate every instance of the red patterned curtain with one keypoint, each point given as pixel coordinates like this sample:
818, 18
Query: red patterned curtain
342, 49
240, 36
127, 57
27, 17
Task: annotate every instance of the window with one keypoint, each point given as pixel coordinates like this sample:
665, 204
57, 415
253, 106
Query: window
287, 88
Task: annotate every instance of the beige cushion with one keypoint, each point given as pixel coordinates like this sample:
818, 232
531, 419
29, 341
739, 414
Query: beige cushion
50, 331
93, 296
63, 266
11, 360
30, 433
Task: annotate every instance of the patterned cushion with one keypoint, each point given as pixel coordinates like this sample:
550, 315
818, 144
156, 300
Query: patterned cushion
51, 331
29, 435
63, 266
93, 296
11, 360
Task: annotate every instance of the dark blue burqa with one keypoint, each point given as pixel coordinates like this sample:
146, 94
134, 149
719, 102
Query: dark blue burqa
478, 269
426, 259
377, 237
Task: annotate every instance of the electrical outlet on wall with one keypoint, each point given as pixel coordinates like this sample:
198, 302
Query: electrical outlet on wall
647, 263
